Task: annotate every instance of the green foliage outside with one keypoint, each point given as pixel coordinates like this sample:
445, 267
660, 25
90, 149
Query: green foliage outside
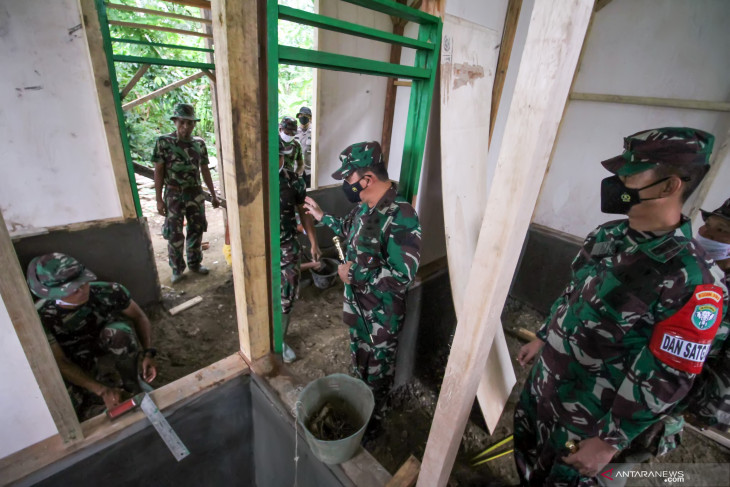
147, 121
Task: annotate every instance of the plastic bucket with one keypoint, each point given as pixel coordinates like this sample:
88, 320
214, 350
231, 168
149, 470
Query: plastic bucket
340, 391
325, 277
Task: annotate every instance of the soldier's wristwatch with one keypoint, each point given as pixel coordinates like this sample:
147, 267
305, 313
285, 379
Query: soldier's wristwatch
150, 352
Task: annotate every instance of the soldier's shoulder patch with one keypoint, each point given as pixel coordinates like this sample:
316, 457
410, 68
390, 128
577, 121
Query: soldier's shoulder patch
683, 340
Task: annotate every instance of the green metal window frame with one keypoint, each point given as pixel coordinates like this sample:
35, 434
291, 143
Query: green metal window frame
111, 58
422, 74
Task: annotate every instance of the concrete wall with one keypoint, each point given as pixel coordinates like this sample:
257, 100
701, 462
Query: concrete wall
56, 164
25, 418
653, 48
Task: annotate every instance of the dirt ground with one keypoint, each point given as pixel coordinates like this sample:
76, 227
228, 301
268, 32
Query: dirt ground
207, 332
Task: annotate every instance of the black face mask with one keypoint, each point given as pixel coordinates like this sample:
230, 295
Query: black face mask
617, 198
304, 120
352, 191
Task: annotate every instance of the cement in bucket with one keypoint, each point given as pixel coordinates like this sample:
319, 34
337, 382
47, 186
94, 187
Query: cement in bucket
326, 277
337, 389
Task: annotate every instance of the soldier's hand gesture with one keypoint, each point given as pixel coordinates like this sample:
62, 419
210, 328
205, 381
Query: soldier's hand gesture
529, 351
161, 208
313, 208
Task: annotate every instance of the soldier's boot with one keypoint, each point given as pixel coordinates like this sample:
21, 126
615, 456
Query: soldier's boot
201, 269
176, 277
287, 353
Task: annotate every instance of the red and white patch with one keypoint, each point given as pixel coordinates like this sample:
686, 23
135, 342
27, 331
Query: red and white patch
683, 340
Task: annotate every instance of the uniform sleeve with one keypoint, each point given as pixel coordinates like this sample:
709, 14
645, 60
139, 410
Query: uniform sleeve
116, 297
301, 189
400, 267
46, 321
157, 152
204, 161
341, 226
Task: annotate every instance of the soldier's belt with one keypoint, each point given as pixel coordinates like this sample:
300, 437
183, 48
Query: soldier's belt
179, 189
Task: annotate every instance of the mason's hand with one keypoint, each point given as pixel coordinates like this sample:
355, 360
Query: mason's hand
110, 395
161, 208
313, 208
215, 201
592, 455
529, 351
344, 270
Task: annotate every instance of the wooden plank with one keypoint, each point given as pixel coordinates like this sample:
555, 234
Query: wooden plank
98, 429
711, 433
103, 84
468, 61
407, 474
27, 325
407, 83
210, 76
191, 3
162, 28
505, 51
186, 305
162, 91
133, 82
129, 8
554, 39
399, 26
650, 101
242, 115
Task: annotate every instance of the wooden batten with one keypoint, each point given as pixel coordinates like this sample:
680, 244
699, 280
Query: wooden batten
505, 51
241, 109
554, 40
102, 80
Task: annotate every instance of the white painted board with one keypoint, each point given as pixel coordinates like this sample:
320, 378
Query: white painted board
469, 57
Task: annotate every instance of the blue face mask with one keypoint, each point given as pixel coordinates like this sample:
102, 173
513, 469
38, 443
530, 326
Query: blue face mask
352, 191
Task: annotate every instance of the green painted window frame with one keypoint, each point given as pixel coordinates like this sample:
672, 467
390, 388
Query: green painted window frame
422, 73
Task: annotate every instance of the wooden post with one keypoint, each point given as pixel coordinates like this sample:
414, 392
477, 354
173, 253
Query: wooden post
505, 51
399, 26
133, 82
554, 39
103, 83
27, 324
241, 109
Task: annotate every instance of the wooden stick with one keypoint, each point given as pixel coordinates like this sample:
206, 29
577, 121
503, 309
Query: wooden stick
712, 434
715, 106
554, 39
505, 51
191, 3
399, 82
133, 82
129, 8
407, 474
186, 305
135, 25
390, 90
521, 333
162, 91
210, 75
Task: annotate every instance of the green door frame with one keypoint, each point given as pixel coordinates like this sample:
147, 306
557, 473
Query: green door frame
422, 74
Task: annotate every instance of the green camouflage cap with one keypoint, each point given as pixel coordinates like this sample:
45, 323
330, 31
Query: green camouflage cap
668, 145
185, 111
305, 111
356, 156
722, 212
288, 123
56, 275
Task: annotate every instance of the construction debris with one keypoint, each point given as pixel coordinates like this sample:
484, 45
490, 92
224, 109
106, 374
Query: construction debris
186, 305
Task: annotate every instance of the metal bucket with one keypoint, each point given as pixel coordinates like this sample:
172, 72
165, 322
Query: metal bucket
336, 389
325, 277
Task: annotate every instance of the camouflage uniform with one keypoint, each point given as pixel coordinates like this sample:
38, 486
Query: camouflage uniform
292, 192
304, 137
183, 197
292, 153
384, 242
623, 345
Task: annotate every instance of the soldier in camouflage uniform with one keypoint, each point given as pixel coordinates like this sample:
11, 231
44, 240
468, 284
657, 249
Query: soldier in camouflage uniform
292, 191
304, 137
180, 159
709, 404
290, 152
382, 238
87, 323
623, 344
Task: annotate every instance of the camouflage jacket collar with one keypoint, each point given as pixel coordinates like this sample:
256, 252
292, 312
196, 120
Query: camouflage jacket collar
386, 200
660, 247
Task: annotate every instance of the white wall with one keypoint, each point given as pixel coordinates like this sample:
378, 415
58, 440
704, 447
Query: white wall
25, 418
351, 105
656, 48
55, 163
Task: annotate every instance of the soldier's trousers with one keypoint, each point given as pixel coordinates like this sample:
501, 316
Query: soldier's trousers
112, 362
373, 345
188, 205
289, 254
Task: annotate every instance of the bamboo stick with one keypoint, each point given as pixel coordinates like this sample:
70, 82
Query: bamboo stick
135, 25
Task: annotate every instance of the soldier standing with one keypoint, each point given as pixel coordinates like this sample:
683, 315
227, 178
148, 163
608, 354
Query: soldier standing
289, 149
623, 344
87, 325
292, 191
382, 237
180, 159
304, 137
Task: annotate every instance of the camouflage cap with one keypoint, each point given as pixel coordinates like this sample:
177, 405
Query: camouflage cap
722, 212
185, 111
288, 123
668, 145
356, 156
56, 275
305, 111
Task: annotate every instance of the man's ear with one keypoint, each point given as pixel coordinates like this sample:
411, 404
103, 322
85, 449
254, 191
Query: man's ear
672, 185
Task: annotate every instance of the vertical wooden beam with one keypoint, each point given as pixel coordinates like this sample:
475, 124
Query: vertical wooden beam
27, 324
241, 106
103, 83
505, 51
434, 7
399, 26
720, 157
554, 39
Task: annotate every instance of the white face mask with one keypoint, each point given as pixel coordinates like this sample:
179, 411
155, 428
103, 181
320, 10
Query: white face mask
715, 250
285, 137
